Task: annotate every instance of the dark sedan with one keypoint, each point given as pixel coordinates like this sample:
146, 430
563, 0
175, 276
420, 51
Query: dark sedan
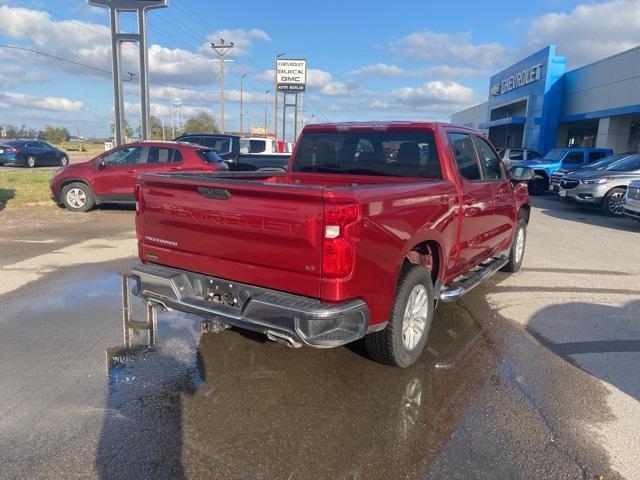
31, 153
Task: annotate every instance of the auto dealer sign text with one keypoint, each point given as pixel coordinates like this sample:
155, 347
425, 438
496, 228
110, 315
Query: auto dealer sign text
524, 77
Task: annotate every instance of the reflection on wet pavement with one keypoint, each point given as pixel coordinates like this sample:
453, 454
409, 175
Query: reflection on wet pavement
174, 403
239, 406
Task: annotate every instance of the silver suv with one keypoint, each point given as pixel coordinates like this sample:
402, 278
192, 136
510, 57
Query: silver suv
605, 188
632, 201
514, 155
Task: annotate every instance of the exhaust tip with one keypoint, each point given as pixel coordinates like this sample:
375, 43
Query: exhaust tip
282, 338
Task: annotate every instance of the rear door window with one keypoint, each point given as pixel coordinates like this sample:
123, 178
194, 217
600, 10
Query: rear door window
593, 156
531, 154
159, 155
465, 154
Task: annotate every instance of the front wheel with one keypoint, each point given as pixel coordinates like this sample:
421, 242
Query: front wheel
538, 185
516, 254
64, 161
78, 197
613, 203
403, 340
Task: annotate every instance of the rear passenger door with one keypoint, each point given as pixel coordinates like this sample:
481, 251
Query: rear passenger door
476, 208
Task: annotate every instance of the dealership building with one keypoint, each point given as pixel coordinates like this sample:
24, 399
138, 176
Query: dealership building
536, 104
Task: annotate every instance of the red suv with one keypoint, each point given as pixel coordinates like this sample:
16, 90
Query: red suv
111, 176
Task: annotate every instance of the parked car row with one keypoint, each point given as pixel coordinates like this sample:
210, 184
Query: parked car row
602, 184
31, 153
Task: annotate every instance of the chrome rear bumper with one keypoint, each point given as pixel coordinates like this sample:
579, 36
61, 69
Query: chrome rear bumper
281, 316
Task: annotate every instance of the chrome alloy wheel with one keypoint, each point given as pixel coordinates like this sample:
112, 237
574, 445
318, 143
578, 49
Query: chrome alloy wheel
519, 245
415, 317
76, 198
615, 203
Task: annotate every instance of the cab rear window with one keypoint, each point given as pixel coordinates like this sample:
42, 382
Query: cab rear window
394, 154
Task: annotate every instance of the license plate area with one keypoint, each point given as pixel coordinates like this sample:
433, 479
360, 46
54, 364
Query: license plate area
213, 291
563, 193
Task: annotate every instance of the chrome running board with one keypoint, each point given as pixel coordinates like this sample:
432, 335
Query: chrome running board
472, 279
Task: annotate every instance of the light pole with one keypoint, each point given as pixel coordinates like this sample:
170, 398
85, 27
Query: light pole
242, 105
266, 129
221, 49
275, 92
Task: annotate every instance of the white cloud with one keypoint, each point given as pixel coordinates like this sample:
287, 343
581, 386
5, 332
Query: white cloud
450, 49
435, 92
379, 70
588, 32
12, 74
22, 100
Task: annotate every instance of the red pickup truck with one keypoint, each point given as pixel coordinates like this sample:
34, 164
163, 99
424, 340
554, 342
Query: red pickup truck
371, 224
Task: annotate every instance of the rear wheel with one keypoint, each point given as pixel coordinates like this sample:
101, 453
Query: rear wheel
516, 254
64, 161
403, 340
31, 161
613, 203
78, 197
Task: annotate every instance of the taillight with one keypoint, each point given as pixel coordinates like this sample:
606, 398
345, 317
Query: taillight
14, 150
136, 195
337, 247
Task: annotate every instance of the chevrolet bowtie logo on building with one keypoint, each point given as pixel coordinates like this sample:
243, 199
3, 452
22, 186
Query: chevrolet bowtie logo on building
495, 90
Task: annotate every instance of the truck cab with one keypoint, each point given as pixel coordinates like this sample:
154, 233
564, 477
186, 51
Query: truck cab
560, 158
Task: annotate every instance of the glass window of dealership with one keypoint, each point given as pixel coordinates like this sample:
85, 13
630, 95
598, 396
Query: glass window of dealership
536, 104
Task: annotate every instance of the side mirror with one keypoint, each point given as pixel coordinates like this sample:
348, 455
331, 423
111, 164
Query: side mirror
101, 164
521, 174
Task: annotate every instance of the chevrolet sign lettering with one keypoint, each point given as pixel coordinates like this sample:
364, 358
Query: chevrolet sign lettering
524, 77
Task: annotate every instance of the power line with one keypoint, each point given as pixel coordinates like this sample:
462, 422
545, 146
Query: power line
55, 57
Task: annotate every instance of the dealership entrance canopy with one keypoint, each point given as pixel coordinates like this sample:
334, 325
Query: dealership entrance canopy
536, 104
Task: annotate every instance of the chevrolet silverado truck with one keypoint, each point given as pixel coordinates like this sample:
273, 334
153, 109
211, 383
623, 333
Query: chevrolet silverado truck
370, 225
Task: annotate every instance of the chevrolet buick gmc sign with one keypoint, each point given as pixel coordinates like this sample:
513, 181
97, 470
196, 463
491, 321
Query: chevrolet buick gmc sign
291, 75
524, 77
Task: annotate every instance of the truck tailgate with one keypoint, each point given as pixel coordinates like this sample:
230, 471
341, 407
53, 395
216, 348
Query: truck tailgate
266, 234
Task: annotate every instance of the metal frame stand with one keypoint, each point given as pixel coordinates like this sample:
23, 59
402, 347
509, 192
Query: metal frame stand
140, 7
128, 323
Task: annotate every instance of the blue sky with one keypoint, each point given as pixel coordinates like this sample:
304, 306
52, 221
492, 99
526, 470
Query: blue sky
367, 60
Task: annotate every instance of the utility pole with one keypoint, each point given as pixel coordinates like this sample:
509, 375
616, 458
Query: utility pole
242, 105
275, 92
221, 49
266, 128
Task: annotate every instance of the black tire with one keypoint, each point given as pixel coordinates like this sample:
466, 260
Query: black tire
612, 202
30, 162
387, 346
64, 161
78, 206
515, 256
538, 185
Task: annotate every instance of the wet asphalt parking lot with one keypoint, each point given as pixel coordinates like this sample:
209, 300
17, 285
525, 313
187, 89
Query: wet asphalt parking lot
535, 375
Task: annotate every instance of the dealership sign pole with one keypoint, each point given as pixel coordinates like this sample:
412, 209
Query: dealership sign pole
117, 39
291, 78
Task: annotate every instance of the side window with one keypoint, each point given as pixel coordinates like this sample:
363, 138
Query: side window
176, 157
531, 154
159, 155
245, 146
124, 156
491, 162
573, 158
465, 154
258, 146
593, 156
516, 155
